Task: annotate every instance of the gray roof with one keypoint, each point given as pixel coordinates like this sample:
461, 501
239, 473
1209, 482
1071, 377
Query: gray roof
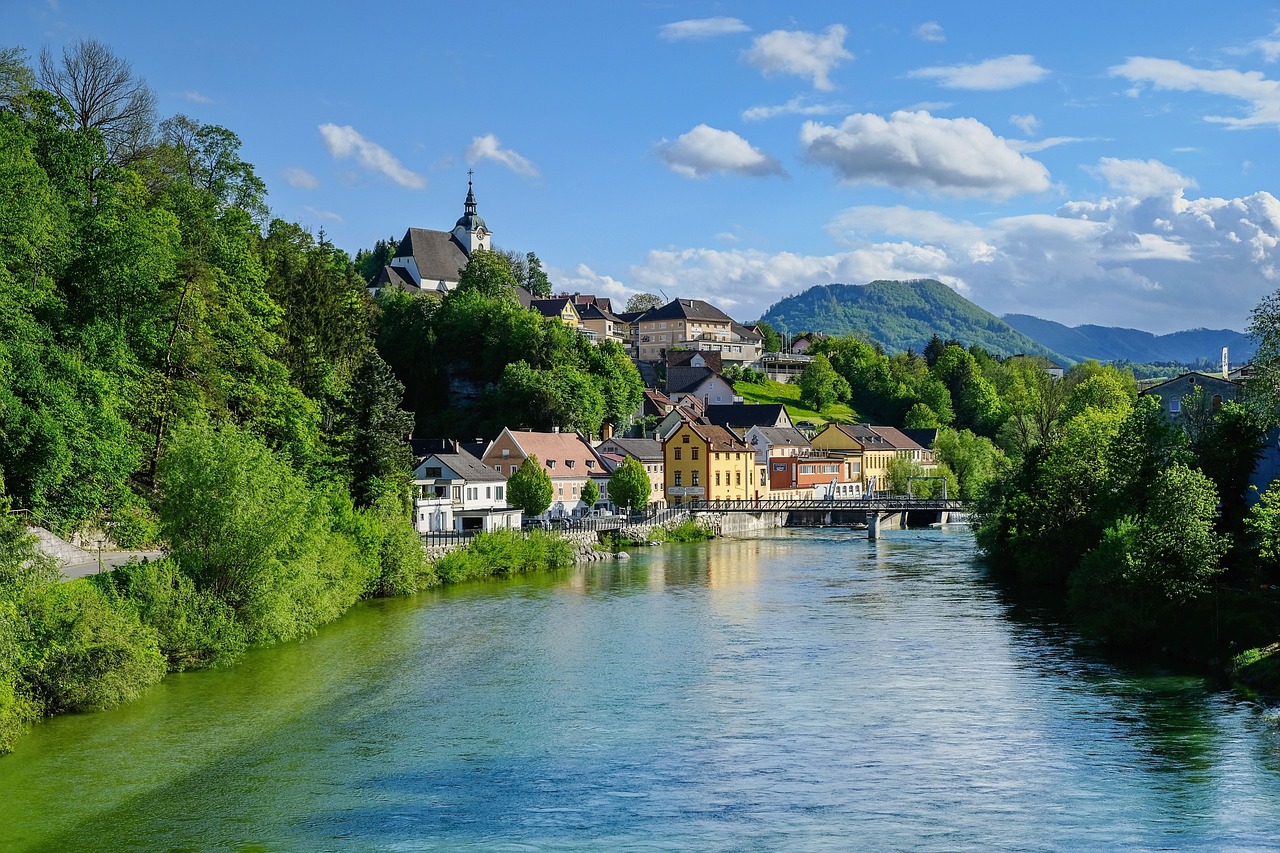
394, 277
645, 449
467, 467
688, 309
783, 436
746, 333
685, 380
550, 308
593, 311
439, 256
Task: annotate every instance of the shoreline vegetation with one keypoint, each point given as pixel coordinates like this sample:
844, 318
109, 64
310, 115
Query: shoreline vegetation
100, 641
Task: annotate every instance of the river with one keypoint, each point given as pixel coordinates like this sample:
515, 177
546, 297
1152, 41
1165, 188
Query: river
806, 690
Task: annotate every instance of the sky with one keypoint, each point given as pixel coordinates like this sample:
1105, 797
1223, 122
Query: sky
1111, 163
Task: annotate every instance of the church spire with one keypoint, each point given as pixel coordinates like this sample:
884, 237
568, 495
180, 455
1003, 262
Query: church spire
469, 207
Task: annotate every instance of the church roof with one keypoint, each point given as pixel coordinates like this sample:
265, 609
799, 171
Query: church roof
439, 256
394, 277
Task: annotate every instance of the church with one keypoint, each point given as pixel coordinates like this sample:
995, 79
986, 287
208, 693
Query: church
429, 260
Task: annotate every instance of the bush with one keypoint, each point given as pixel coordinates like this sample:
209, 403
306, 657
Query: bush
689, 530
503, 553
134, 527
194, 628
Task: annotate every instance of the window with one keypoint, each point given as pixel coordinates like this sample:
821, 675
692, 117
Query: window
1175, 405
560, 490
695, 478
694, 454
498, 493
506, 451
432, 472
457, 493
574, 491
513, 469
737, 478
684, 439
679, 478
551, 463
591, 463
717, 478
569, 462
677, 454
488, 492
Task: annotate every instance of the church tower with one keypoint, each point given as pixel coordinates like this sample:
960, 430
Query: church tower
470, 230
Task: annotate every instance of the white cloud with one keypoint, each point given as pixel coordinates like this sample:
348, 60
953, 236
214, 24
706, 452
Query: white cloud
1260, 94
1160, 263
488, 147
196, 97
1268, 47
930, 31
701, 28
346, 141
1031, 146
798, 106
1028, 123
915, 150
800, 53
315, 213
583, 279
301, 178
706, 150
1143, 178
1005, 72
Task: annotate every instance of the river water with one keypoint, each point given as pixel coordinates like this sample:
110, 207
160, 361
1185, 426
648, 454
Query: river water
807, 690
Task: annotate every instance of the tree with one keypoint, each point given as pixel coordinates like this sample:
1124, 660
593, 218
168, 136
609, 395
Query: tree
380, 455
771, 340
643, 302
920, 416
536, 281
820, 385
16, 78
590, 493
489, 273
974, 459
629, 485
529, 488
104, 96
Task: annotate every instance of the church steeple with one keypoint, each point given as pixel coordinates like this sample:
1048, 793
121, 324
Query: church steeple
470, 229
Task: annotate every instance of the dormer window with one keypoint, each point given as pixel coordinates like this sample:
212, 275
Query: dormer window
551, 463
569, 462
591, 463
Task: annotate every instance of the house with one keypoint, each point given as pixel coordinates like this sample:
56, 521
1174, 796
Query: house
694, 358
567, 457
455, 492
700, 382
597, 322
904, 447
868, 454
741, 417
687, 323
802, 343
646, 451
771, 441
1173, 393
705, 462
557, 308
432, 261
814, 477
423, 447
688, 409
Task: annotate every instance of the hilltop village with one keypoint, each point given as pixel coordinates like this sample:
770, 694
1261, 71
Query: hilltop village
695, 437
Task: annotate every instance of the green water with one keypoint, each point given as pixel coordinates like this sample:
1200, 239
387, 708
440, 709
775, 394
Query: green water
804, 691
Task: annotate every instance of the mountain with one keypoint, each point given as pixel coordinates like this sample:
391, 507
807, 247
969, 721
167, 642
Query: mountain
1106, 343
900, 315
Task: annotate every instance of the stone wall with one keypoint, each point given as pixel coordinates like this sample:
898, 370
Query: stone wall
740, 523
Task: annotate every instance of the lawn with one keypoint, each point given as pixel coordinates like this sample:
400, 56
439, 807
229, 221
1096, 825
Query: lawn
789, 395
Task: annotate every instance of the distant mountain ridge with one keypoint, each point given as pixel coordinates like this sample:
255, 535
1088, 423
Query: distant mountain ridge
1106, 343
901, 315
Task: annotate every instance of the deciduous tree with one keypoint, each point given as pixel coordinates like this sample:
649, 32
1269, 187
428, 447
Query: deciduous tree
529, 488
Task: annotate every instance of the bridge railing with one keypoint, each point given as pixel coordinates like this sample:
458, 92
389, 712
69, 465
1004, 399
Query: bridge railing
885, 503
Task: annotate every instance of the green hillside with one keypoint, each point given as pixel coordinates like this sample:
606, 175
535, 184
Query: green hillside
900, 315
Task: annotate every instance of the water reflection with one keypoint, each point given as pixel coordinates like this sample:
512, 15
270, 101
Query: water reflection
805, 690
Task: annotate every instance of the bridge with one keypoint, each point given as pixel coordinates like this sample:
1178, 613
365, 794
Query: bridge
875, 507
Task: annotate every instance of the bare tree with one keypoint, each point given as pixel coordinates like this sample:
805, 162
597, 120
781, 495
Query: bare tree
103, 94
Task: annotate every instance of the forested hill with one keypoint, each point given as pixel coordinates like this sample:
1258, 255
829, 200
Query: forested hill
900, 315
1106, 343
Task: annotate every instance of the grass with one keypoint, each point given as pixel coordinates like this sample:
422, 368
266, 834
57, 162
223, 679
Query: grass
789, 395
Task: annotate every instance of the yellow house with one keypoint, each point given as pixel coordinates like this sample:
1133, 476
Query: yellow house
558, 308
866, 454
703, 462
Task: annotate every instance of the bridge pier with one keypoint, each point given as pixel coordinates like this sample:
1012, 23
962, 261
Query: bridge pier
873, 525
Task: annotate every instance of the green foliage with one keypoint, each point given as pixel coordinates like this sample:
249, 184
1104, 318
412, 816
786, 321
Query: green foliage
689, 530
920, 416
820, 385
900, 314
629, 485
503, 553
380, 429
489, 274
530, 488
975, 460
642, 302
590, 493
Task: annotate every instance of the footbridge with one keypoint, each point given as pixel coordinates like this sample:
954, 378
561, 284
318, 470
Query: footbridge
877, 509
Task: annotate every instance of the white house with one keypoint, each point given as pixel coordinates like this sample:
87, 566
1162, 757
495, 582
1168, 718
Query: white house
456, 492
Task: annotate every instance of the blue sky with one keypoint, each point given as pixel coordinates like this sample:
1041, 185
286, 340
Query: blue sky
1110, 163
